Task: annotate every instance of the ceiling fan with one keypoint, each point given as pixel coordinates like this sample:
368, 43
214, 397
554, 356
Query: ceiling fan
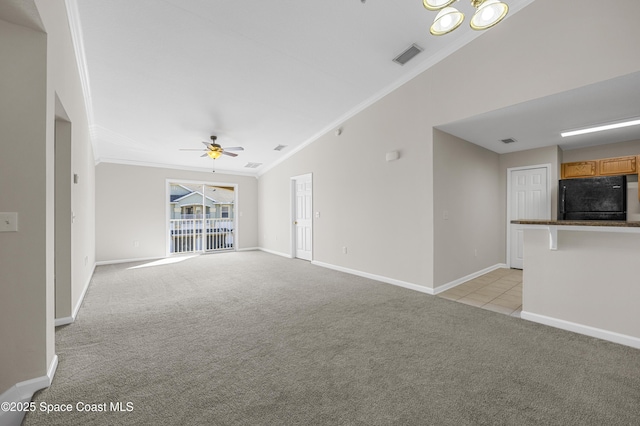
214, 150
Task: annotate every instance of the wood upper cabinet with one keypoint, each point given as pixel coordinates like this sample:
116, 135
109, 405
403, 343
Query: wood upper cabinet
580, 169
618, 166
603, 167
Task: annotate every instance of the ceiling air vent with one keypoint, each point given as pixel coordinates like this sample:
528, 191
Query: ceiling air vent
253, 165
408, 54
279, 147
508, 140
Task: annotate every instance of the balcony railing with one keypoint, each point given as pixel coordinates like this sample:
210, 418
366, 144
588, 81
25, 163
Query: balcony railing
192, 235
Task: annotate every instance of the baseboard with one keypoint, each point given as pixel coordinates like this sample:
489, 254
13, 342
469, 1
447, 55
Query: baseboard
115, 262
277, 253
599, 333
23, 392
64, 321
248, 249
469, 277
68, 320
381, 278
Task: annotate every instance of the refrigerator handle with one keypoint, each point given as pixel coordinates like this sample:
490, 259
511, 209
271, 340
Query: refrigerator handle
563, 200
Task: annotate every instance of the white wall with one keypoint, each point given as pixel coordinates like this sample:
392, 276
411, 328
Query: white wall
131, 205
355, 190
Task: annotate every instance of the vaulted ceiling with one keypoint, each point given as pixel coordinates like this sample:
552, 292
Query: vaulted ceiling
164, 75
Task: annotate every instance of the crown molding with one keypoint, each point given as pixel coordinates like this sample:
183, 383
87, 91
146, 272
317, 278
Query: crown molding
468, 37
77, 38
172, 166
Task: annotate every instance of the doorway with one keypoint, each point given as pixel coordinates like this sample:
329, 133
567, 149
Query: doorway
528, 197
63, 217
302, 215
201, 217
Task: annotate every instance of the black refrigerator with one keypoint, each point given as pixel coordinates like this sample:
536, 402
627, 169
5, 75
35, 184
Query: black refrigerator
595, 198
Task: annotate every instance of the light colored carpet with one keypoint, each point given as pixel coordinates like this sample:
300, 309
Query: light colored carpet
254, 339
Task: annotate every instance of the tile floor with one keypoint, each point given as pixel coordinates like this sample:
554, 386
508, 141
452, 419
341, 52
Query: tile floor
498, 291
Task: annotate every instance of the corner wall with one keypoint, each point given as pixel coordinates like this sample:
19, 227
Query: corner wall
35, 69
386, 211
468, 205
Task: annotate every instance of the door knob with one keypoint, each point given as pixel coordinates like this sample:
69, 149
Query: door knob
295, 223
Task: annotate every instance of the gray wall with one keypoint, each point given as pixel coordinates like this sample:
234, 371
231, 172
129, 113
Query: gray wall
23, 174
35, 68
386, 212
593, 277
468, 203
131, 205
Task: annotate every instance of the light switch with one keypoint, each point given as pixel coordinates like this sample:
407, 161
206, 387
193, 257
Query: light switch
8, 222
317, 215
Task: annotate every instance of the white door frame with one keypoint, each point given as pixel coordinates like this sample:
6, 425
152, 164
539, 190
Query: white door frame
168, 182
292, 213
509, 171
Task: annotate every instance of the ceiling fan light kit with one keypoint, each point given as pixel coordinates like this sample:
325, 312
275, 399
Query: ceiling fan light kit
437, 4
214, 151
488, 13
447, 20
214, 154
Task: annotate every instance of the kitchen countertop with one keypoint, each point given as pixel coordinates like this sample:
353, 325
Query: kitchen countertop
609, 223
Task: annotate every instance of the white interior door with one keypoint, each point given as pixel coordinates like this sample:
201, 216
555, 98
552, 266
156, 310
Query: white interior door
303, 217
529, 198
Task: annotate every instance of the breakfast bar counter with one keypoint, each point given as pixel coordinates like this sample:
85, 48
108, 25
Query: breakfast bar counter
590, 223
583, 276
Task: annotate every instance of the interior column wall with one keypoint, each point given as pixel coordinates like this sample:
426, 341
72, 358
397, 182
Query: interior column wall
23, 272
468, 225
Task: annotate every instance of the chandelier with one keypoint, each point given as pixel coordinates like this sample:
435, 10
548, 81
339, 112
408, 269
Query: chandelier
488, 13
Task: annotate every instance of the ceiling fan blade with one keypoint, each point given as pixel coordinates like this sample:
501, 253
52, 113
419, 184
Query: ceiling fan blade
207, 144
230, 154
188, 149
234, 148
204, 155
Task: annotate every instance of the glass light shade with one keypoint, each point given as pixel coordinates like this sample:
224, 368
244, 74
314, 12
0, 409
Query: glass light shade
214, 154
488, 14
447, 20
436, 4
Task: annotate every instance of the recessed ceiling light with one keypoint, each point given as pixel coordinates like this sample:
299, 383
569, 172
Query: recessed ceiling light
633, 122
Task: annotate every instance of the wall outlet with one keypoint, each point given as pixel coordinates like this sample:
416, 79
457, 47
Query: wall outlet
445, 215
475, 252
8, 222
344, 250
86, 260
136, 243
